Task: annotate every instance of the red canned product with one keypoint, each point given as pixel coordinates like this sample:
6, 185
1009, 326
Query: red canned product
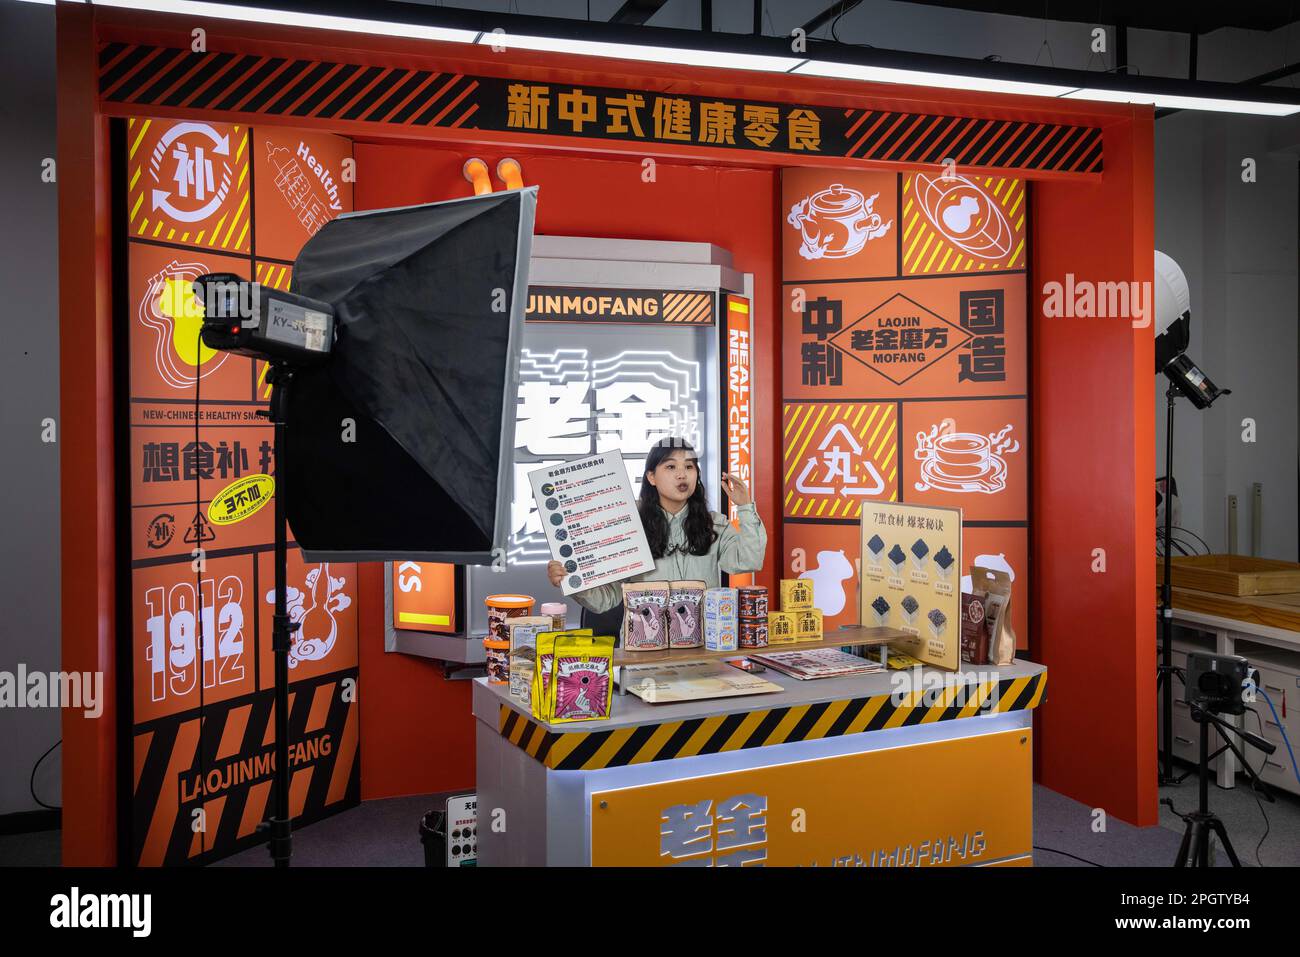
753, 634
752, 600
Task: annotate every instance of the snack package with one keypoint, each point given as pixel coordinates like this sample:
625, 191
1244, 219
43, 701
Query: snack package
645, 616
996, 586
782, 627
581, 686
808, 626
685, 614
721, 623
523, 632
538, 698
521, 678
796, 594
974, 628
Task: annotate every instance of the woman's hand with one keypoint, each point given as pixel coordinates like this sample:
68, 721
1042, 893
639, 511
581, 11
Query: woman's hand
737, 491
555, 572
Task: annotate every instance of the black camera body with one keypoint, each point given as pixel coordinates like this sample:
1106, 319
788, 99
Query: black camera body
1216, 683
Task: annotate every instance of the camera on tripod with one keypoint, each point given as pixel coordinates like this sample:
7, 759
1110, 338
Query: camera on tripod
1217, 683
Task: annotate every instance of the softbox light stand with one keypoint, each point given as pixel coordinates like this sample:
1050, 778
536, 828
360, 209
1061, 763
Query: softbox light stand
1166, 671
280, 825
401, 337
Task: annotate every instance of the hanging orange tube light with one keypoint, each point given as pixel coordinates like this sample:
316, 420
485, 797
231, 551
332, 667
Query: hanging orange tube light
511, 173
476, 172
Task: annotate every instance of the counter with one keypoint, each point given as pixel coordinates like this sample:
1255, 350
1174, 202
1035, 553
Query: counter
899, 768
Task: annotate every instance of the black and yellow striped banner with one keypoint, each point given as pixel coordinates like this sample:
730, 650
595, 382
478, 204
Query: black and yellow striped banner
641, 744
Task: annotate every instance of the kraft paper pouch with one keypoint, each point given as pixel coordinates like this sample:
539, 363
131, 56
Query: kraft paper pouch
975, 628
581, 686
996, 585
686, 614
645, 616
540, 699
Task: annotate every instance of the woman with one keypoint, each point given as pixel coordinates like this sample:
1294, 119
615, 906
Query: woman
686, 539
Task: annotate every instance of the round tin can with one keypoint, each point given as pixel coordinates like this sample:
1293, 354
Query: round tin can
752, 600
501, 607
753, 634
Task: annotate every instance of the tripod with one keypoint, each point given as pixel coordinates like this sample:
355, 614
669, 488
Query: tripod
1201, 823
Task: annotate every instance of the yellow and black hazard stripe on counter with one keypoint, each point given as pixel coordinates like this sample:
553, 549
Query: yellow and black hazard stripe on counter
641, 744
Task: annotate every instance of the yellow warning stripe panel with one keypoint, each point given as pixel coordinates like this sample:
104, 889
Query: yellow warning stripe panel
701, 737
877, 712
656, 743
613, 744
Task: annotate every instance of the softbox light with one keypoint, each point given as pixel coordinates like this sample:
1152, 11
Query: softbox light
399, 446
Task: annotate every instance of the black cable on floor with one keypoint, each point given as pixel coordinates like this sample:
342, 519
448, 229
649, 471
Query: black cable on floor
1268, 825
1076, 857
31, 783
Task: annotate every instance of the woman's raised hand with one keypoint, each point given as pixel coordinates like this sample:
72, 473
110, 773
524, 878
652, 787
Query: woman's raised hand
737, 491
555, 572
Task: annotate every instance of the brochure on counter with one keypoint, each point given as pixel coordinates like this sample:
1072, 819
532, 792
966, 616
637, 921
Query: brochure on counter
591, 521
817, 663
691, 681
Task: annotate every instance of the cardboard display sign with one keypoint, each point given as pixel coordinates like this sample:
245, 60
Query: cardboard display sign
911, 578
591, 521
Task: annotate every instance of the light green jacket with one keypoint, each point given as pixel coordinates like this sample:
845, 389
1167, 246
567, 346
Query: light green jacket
733, 551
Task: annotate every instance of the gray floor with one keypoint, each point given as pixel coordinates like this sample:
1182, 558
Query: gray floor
386, 833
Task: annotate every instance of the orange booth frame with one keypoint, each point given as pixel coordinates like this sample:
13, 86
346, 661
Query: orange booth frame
1091, 399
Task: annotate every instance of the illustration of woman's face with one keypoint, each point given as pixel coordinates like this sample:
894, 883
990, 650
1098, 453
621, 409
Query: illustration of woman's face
675, 477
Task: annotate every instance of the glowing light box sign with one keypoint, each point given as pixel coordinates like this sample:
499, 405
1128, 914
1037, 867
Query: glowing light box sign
574, 402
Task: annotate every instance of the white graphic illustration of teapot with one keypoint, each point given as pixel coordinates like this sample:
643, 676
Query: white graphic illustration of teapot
836, 222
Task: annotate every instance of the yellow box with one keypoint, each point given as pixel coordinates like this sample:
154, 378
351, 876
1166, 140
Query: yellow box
782, 627
808, 627
796, 594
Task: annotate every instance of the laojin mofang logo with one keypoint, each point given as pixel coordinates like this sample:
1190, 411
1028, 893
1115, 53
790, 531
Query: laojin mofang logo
76, 910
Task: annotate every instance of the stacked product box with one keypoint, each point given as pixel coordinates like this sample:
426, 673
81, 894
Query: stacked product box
798, 619
721, 619
752, 613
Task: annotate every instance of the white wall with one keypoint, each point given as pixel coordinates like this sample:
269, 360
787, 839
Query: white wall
1237, 243
29, 392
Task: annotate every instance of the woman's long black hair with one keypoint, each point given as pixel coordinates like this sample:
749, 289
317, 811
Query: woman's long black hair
700, 533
